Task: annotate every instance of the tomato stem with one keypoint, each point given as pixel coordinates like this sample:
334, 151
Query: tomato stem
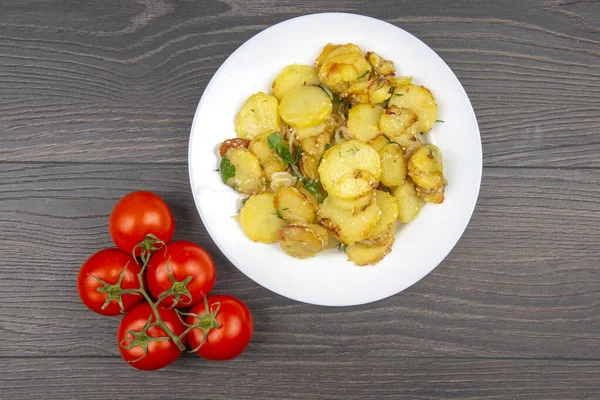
145, 256
150, 244
178, 290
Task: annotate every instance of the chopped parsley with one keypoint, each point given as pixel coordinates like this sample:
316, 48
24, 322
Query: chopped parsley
277, 144
227, 169
314, 186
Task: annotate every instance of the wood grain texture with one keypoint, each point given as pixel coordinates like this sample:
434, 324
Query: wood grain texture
522, 282
101, 81
96, 100
315, 378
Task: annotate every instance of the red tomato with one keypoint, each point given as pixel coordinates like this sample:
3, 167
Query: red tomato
233, 335
108, 265
159, 354
185, 259
136, 215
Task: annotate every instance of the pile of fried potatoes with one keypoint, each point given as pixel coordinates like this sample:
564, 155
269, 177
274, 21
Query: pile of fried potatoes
333, 157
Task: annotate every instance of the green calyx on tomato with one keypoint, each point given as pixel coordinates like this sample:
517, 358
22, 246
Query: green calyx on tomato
150, 244
141, 339
178, 289
204, 322
114, 291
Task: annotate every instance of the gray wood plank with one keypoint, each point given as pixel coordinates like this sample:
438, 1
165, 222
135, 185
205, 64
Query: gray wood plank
522, 282
119, 81
314, 377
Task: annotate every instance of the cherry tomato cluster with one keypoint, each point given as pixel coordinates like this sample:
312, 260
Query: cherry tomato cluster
162, 288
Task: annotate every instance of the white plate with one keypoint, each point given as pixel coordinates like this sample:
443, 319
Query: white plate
329, 279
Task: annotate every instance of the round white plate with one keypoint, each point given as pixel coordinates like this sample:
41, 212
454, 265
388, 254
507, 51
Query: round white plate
329, 279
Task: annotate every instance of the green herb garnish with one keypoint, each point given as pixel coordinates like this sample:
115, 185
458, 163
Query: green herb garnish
314, 186
227, 169
277, 144
364, 74
342, 246
439, 120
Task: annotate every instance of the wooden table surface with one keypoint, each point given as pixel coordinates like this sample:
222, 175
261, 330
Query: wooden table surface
96, 100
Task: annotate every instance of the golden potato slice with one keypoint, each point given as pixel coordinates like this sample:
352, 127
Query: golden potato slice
425, 168
303, 240
293, 76
309, 166
332, 243
346, 226
358, 93
305, 106
344, 66
393, 166
363, 255
316, 145
310, 196
353, 205
380, 65
294, 206
310, 131
241, 170
379, 240
389, 212
378, 142
259, 218
421, 101
435, 196
408, 141
363, 121
260, 114
350, 169
395, 121
269, 160
399, 81
373, 91
324, 53
408, 200
379, 90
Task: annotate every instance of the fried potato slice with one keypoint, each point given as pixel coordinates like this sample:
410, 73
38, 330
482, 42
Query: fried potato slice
303, 240
346, 226
259, 115
247, 175
294, 206
364, 255
259, 219
409, 202
350, 169
293, 76
420, 100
